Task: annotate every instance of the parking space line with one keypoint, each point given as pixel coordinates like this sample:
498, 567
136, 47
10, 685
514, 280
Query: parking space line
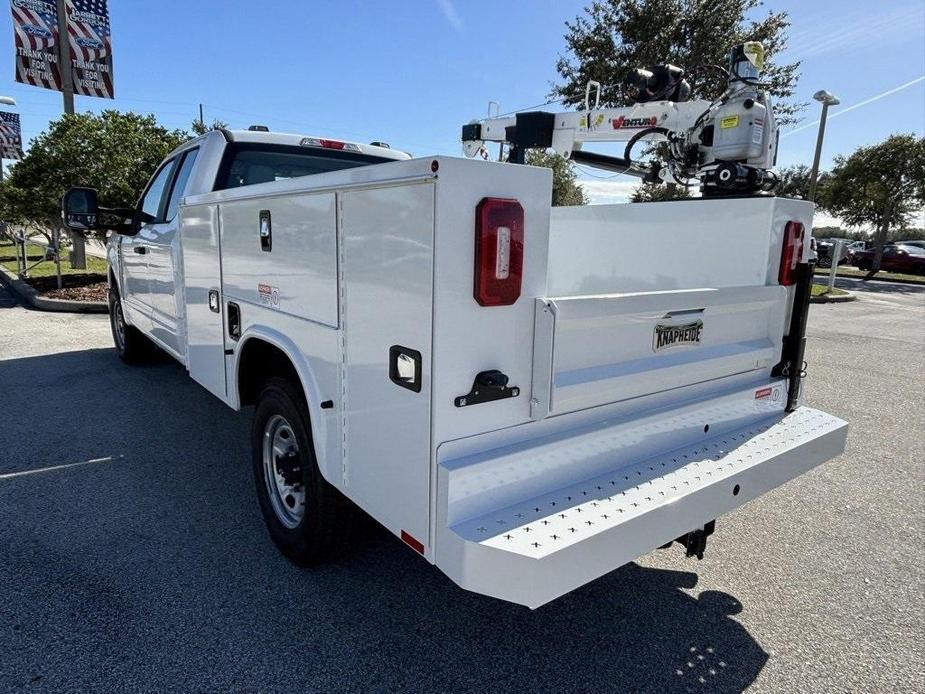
52, 468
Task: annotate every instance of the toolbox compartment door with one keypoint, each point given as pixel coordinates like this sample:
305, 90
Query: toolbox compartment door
387, 237
595, 350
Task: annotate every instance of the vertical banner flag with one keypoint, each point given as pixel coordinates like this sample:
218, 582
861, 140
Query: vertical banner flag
91, 47
35, 25
10, 136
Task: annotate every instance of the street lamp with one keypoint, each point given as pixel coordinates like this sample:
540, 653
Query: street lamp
826, 99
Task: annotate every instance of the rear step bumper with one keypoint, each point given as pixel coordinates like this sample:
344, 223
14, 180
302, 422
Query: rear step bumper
537, 550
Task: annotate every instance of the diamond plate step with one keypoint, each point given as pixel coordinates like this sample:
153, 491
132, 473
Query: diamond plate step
556, 521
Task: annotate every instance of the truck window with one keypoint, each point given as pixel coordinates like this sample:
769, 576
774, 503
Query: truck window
180, 182
154, 195
246, 164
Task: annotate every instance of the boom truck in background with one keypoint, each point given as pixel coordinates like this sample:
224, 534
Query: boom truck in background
529, 397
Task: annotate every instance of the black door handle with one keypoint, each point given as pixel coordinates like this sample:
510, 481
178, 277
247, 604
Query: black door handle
265, 231
140, 249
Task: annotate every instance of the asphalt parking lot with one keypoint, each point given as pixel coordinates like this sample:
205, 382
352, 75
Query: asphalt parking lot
133, 555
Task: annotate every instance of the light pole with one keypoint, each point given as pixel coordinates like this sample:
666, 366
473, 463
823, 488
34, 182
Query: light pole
826, 99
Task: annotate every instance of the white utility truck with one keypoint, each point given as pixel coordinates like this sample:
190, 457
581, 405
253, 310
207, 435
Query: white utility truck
528, 396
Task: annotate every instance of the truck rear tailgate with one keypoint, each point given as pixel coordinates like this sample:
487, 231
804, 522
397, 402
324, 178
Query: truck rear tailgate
594, 350
647, 298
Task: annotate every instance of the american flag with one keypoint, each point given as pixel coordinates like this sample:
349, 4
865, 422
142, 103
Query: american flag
91, 47
35, 25
10, 136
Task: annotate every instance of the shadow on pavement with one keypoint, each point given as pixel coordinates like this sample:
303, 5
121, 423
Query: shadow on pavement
153, 571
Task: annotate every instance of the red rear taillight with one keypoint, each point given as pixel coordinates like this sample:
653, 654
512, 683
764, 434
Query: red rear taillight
499, 251
791, 255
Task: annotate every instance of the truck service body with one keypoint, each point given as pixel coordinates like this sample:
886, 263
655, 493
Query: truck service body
529, 397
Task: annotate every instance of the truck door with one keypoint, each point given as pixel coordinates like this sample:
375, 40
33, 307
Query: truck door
136, 288
163, 251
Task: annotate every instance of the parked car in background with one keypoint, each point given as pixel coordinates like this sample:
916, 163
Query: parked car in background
853, 248
899, 257
824, 248
916, 242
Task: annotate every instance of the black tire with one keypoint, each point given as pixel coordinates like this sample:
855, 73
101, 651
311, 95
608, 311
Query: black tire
825, 261
325, 529
131, 346
864, 265
919, 269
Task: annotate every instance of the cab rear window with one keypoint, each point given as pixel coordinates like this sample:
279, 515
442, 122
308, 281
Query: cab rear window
246, 164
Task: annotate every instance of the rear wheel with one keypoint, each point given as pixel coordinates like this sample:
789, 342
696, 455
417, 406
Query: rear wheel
131, 346
919, 269
825, 261
308, 519
864, 265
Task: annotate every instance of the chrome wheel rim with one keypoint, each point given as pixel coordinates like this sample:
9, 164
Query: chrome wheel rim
282, 471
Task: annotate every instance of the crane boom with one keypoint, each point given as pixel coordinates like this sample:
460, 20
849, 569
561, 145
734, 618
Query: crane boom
729, 145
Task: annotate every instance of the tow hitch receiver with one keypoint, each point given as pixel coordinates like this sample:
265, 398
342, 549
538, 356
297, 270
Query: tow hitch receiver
695, 542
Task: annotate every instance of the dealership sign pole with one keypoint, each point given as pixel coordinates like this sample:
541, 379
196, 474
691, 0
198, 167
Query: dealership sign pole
64, 58
89, 47
65, 45
35, 29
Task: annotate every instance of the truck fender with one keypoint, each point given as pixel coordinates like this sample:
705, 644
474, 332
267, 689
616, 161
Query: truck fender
308, 382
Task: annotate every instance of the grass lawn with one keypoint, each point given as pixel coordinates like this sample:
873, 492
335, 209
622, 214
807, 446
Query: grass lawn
847, 271
823, 290
47, 268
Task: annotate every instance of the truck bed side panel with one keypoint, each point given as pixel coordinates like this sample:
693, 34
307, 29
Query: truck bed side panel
470, 338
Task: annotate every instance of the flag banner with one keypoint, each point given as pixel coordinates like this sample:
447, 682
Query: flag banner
35, 27
10, 136
91, 47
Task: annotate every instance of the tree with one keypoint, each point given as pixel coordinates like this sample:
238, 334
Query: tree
880, 186
565, 187
200, 128
656, 192
794, 181
113, 152
616, 36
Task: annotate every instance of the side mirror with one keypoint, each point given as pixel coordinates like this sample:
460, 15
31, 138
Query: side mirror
80, 209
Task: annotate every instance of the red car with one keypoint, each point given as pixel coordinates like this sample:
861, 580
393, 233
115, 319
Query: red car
896, 258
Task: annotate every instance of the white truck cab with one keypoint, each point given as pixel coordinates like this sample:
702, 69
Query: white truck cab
147, 264
529, 397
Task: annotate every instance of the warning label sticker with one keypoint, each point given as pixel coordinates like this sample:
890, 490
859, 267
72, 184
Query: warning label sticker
269, 296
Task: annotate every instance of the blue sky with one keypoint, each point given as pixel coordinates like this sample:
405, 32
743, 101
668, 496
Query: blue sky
412, 72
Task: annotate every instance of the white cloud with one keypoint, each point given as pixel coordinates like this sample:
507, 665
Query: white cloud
450, 14
608, 192
831, 28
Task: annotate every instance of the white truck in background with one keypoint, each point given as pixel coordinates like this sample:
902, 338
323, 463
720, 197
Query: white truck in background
529, 397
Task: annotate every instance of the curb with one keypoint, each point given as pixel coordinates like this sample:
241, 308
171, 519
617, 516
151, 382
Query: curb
840, 299
915, 283
25, 292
